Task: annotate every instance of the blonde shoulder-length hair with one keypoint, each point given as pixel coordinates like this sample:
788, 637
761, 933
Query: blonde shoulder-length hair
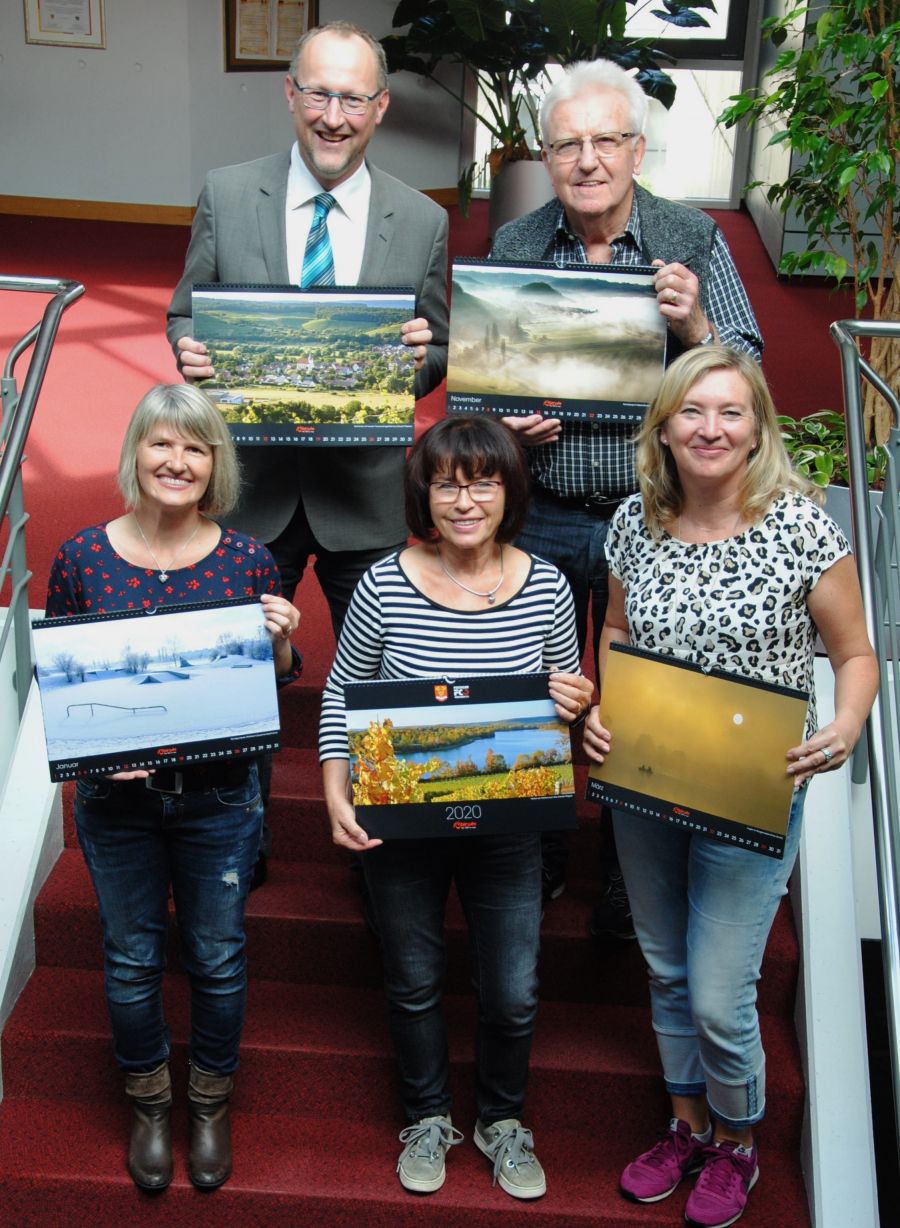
190, 412
769, 470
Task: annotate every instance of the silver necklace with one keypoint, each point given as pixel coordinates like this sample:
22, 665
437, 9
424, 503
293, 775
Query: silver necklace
490, 595
164, 572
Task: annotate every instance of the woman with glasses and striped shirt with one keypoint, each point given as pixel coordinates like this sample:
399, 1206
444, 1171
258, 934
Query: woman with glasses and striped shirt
461, 601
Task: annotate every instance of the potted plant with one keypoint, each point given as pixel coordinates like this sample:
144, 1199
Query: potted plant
817, 446
832, 97
505, 47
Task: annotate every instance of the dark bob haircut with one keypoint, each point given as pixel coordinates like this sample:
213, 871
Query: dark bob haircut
478, 448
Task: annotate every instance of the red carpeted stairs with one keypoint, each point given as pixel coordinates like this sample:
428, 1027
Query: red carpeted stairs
315, 1111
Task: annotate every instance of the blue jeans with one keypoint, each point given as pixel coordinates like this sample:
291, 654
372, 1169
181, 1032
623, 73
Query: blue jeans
498, 879
575, 542
702, 911
203, 844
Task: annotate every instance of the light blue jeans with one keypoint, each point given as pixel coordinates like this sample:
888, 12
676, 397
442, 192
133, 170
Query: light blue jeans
702, 911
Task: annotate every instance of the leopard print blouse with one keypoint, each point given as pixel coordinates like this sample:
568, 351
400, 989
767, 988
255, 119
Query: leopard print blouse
737, 605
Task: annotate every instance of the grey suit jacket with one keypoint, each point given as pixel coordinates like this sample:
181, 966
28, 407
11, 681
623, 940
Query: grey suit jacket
353, 497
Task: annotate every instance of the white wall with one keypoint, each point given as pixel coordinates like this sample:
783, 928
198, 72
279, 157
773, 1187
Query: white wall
142, 121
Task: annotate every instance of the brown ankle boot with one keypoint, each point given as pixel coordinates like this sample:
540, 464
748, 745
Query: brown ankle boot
150, 1149
209, 1162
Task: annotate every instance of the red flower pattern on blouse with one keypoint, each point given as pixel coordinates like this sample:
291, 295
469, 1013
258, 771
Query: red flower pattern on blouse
88, 575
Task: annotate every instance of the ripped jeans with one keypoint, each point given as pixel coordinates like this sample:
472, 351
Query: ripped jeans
203, 844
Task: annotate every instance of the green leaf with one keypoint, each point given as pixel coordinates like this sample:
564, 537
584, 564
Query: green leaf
879, 89
565, 18
824, 24
617, 20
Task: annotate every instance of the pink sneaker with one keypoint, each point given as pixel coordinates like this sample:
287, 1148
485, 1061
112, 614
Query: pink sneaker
729, 1173
659, 1171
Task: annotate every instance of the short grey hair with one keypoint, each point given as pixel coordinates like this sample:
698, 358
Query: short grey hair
346, 29
190, 412
588, 75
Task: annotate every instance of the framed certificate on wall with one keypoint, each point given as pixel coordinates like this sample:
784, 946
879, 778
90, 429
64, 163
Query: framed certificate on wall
260, 35
65, 23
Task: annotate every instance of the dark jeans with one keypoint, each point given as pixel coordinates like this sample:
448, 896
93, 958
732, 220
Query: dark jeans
498, 879
137, 843
575, 542
338, 571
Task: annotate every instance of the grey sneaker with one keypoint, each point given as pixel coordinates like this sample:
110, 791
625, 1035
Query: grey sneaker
421, 1164
511, 1147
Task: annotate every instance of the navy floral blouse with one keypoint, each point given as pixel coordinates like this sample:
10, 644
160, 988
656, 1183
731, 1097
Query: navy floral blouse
88, 577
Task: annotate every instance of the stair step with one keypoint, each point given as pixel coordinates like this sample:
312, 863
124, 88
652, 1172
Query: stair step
324, 1050
306, 925
292, 1170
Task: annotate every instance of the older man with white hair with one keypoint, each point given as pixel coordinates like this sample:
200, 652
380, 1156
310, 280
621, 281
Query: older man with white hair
592, 131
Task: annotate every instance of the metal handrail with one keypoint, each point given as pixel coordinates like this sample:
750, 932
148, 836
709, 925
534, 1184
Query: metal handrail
879, 575
18, 412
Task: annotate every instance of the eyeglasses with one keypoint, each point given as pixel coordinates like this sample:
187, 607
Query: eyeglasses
318, 100
605, 145
448, 492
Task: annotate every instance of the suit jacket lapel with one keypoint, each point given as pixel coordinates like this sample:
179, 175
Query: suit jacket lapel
379, 235
270, 214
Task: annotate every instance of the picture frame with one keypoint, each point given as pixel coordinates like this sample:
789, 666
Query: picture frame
65, 23
170, 686
577, 342
260, 35
459, 756
322, 367
703, 751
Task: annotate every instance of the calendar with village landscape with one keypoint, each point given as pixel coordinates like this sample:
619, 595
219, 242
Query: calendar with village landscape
320, 367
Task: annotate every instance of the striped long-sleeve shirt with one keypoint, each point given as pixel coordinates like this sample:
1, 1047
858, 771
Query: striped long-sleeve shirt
394, 631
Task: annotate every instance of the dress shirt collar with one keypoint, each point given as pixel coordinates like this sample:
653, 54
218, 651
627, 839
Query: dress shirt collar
352, 195
630, 236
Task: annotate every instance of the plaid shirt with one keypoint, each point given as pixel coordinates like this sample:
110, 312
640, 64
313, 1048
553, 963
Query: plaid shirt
598, 458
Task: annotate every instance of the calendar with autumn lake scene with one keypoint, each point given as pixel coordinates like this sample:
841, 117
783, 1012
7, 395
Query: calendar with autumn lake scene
458, 756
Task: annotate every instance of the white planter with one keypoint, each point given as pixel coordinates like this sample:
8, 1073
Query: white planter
516, 189
837, 505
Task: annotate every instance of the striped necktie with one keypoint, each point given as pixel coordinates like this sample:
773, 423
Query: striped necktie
318, 263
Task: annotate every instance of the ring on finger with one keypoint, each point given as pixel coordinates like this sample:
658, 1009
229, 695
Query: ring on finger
827, 755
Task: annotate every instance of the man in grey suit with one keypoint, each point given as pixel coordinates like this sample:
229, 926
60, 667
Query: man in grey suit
344, 505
